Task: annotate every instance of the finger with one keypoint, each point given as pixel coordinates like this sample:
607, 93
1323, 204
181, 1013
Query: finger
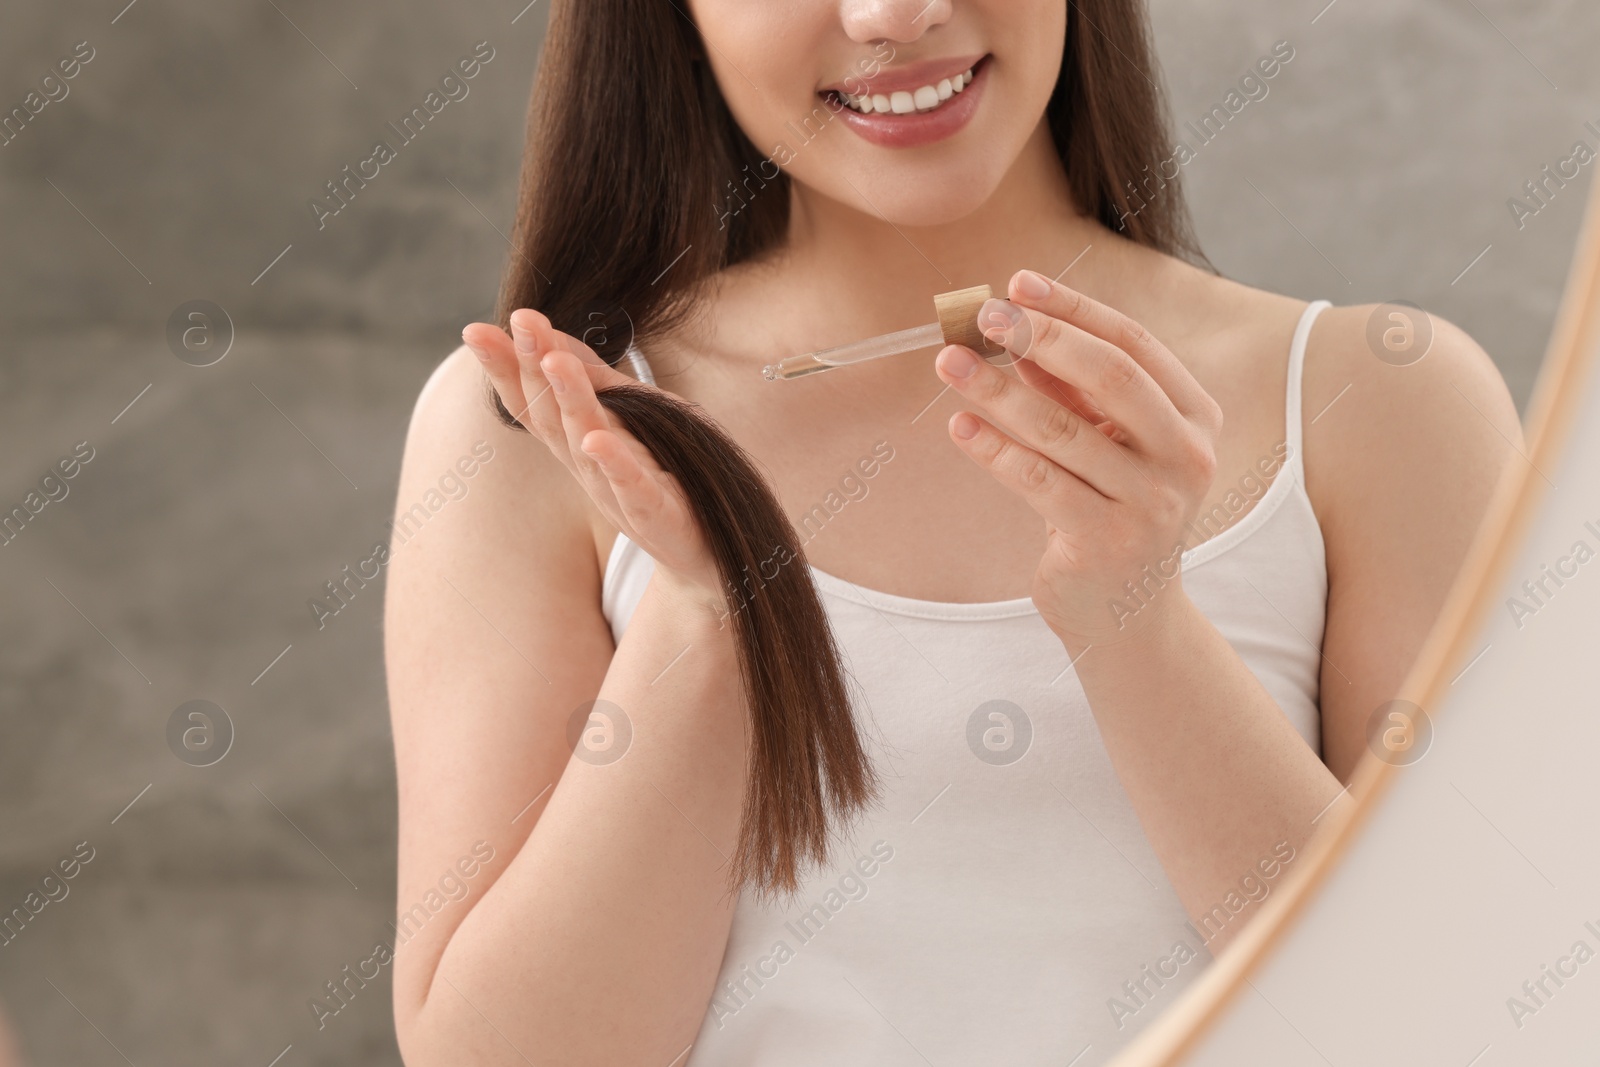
540, 411
1060, 497
639, 496
548, 337
495, 351
1032, 290
1069, 395
1121, 387
1040, 422
580, 413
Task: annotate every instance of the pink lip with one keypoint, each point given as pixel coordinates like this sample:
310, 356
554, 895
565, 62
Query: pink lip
909, 77
920, 127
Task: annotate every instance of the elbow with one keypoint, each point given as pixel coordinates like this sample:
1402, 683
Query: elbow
423, 1045
408, 1032
445, 1031
415, 1027
429, 1037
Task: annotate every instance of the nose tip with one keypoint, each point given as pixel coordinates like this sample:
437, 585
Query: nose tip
893, 21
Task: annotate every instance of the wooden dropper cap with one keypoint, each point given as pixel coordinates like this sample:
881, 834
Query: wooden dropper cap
958, 318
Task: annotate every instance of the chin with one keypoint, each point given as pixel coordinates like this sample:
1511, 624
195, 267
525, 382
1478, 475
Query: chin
912, 196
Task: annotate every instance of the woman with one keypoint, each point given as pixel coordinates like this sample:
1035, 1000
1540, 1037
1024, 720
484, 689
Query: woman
1102, 737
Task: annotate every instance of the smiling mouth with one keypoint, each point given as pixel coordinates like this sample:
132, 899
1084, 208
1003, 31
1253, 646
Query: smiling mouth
918, 101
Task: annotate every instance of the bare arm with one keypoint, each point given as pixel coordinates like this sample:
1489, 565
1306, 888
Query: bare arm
1214, 770
1401, 477
594, 933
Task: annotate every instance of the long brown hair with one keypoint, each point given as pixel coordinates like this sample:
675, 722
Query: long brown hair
630, 158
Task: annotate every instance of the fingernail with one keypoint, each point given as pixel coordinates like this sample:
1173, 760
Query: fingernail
523, 339
1031, 285
964, 425
998, 318
482, 354
957, 361
547, 368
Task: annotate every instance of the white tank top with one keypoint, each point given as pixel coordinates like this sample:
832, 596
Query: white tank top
1002, 904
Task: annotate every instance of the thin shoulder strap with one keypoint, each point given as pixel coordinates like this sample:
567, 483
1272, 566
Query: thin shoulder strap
638, 365
1297, 359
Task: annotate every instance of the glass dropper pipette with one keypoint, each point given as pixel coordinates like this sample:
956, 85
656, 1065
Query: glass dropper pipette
958, 324
888, 344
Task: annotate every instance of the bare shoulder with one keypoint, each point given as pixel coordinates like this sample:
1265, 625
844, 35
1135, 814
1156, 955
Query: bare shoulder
520, 489
454, 404
1400, 404
488, 524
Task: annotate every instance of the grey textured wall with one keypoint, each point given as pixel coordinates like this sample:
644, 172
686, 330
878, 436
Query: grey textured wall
178, 167
1379, 164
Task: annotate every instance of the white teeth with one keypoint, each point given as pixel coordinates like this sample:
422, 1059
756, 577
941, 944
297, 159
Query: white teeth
925, 98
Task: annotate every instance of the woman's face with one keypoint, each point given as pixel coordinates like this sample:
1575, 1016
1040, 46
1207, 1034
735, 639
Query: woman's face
858, 101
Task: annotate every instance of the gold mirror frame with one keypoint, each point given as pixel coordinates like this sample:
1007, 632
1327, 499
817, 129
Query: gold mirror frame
1552, 410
